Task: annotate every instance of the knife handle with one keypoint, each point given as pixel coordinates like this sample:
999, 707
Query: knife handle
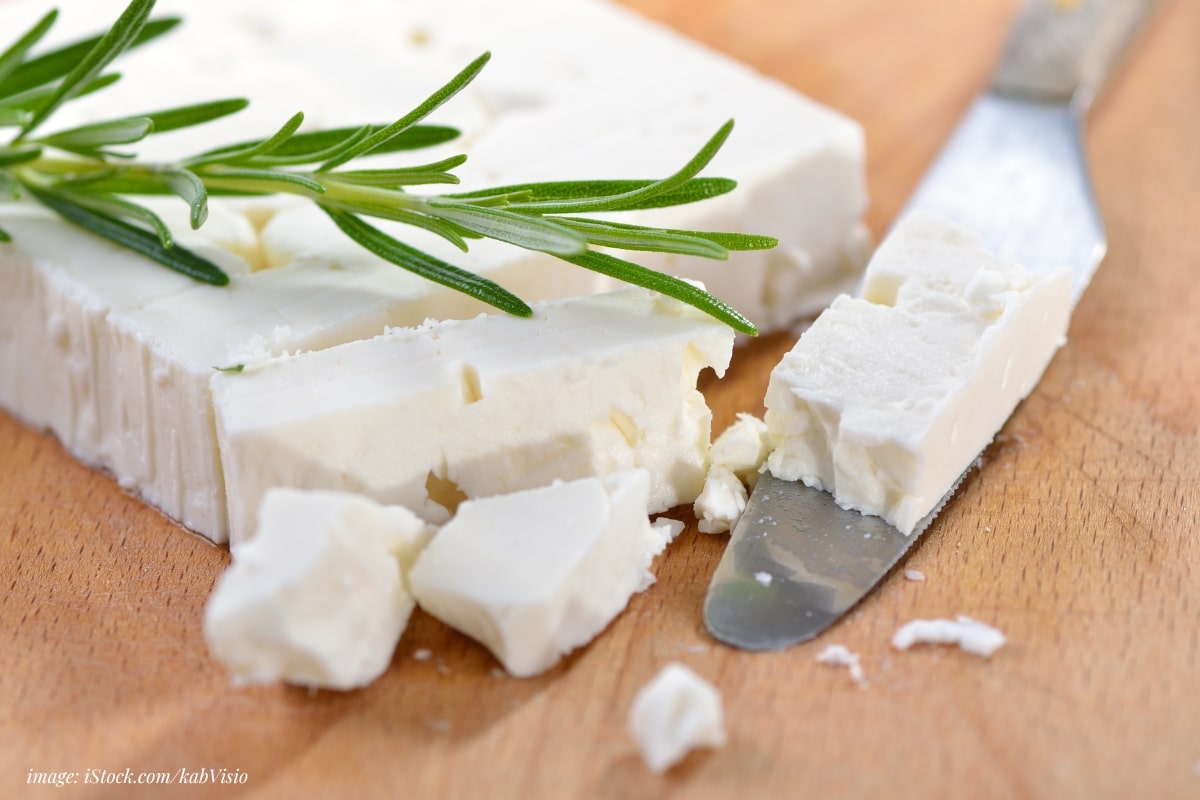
1062, 50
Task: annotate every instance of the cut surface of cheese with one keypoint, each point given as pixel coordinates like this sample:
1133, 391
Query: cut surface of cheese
319, 597
887, 398
535, 574
676, 712
423, 417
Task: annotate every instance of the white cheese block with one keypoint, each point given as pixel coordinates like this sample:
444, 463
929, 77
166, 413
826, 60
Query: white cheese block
422, 417
673, 714
112, 353
886, 399
535, 574
319, 598
970, 635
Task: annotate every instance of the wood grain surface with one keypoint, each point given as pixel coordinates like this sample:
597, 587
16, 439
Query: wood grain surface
1078, 538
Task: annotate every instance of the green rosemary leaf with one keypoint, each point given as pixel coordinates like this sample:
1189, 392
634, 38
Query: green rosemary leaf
427, 266
13, 117
5, 236
233, 370
529, 232
186, 116
664, 284
453, 87
87, 139
19, 155
260, 180
120, 36
404, 176
690, 192
11, 58
31, 100
57, 63
447, 230
116, 207
229, 156
632, 199
633, 237
313, 147
728, 241
278, 157
9, 186
133, 238
188, 185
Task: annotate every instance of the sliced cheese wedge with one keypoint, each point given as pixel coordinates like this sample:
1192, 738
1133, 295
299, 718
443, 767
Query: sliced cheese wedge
889, 397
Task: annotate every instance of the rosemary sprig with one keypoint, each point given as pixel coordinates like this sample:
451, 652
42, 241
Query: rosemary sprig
77, 173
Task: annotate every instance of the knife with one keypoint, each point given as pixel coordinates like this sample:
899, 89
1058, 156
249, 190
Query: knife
1014, 173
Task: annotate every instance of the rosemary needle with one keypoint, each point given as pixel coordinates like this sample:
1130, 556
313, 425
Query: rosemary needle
77, 174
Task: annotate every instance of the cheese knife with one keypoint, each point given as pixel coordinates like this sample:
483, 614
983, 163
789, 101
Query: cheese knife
1014, 173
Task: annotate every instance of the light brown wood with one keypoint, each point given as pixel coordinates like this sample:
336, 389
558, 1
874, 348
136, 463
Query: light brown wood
1078, 538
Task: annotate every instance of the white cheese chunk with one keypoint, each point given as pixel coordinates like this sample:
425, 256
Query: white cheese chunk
535, 574
421, 417
319, 598
742, 448
970, 635
721, 502
886, 399
673, 714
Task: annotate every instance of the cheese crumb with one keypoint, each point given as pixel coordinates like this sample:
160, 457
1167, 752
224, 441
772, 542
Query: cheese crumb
423, 654
970, 635
841, 656
674, 713
721, 502
670, 528
914, 575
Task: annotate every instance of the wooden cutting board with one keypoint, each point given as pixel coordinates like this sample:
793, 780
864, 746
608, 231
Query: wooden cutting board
1078, 538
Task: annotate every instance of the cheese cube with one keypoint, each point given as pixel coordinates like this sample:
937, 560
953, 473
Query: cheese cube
673, 714
535, 574
422, 417
888, 398
319, 598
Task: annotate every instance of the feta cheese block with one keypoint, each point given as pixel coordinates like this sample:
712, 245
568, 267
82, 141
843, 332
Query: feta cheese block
422, 417
535, 574
319, 597
112, 353
970, 635
552, 105
887, 398
673, 714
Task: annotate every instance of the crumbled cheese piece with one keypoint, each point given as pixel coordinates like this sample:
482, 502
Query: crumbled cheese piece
721, 502
970, 635
674, 713
886, 399
319, 597
425, 417
742, 448
422, 654
532, 575
764, 578
842, 656
914, 575
669, 528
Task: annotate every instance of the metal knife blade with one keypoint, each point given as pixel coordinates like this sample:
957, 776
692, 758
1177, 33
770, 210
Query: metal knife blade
1014, 172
